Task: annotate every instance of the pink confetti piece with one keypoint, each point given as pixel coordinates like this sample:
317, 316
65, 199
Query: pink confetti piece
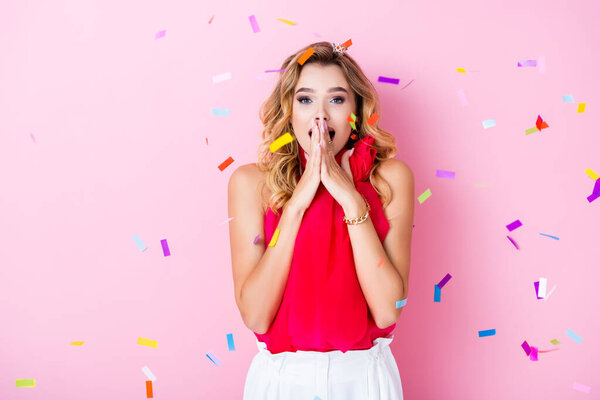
534, 354
165, 247
526, 347
211, 19
160, 34
32, 137
440, 173
462, 97
513, 242
254, 24
581, 388
514, 225
526, 63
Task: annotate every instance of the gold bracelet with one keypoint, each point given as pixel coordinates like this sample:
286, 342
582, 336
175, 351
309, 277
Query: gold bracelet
361, 219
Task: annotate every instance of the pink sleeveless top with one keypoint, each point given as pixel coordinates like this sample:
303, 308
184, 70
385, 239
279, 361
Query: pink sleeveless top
323, 307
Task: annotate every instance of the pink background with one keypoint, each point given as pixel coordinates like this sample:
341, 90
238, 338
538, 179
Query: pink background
103, 134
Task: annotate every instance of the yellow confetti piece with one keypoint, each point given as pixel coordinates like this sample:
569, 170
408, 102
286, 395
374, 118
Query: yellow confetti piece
531, 130
590, 172
580, 107
281, 141
286, 21
25, 383
147, 342
424, 196
555, 342
77, 343
461, 70
274, 238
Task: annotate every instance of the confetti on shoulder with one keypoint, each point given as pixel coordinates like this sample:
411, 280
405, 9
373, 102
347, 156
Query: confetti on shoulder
401, 303
147, 342
273, 241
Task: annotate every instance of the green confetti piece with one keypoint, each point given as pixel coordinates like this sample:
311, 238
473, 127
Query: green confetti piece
531, 130
424, 196
555, 342
25, 382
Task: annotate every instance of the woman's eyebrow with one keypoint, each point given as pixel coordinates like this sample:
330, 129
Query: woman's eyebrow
333, 89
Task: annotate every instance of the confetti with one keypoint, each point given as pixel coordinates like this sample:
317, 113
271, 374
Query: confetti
536, 285
256, 239
380, 263
440, 173
275, 70
437, 294
227, 220
274, 238
306, 55
211, 19
590, 172
221, 77
281, 141
384, 79
25, 383
489, 123
527, 63
526, 347
540, 123
534, 354
531, 130
462, 97
32, 137
254, 24
568, 98
580, 107
461, 70
213, 358
581, 388
550, 236
549, 293
595, 192
574, 336
489, 332
147, 342
514, 225
139, 242
221, 112
230, 344
407, 84
160, 34
513, 242
77, 343
555, 342
542, 288
286, 21
165, 247
225, 163
148, 373
372, 119
401, 303
444, 280
424, 196
149, 389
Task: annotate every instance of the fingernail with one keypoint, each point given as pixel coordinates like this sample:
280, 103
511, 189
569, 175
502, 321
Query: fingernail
352, 151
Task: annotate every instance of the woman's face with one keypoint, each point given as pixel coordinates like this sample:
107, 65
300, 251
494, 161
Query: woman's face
322, 92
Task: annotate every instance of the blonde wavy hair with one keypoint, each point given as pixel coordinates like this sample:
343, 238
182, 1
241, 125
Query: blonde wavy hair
284, 167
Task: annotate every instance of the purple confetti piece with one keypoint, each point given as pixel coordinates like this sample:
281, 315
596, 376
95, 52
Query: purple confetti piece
536, 285
165, 247
513, 242
526, 347
440, 173
254, 24
527, 63
596, 192
444, 281
513, 225
32, 137
388, 80
256, 239
160, 34
534, 354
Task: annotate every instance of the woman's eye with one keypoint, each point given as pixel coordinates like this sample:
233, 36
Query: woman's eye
341, 100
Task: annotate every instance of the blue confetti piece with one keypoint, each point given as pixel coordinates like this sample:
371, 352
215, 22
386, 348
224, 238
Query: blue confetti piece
213, 358
574, 336
222, 112
437, 294
401, 303
139, 242
550, 236
488, 123
489, 332
230, 342
568, 98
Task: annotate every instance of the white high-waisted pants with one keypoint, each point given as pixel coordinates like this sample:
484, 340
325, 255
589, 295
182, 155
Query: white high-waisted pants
370, 374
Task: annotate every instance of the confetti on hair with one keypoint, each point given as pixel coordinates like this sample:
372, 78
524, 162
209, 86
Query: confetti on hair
514, 225
225, 163
139, 242
25, 383
568, 98
526, 63
286, 21
401, 303
581, 107
461, 70
488, 332
230, 344
281, 141
437, 294
213, 358
444, 280
149, 394
424, 196
148, 373
590, 172
221, 112
440, 173
147, 342
165, 247
306, 55
384, 79
254, 24
574, 336
221, 77
160, 34
77, 343
540, 123
273, 241
581, 388
462, 97
513, 242
489, 123
372, 119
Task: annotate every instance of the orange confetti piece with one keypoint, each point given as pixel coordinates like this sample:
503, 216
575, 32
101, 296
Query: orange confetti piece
225, 163
372, 119
306, 55
149, 390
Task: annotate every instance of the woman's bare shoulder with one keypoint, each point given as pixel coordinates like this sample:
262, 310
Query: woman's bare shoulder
392, 169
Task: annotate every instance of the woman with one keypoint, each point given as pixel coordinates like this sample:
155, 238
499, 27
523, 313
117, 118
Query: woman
320, 289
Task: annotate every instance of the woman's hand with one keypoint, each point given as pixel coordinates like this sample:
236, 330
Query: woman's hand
337, 180
311, 177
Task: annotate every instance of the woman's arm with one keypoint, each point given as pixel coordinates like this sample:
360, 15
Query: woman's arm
259, 275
